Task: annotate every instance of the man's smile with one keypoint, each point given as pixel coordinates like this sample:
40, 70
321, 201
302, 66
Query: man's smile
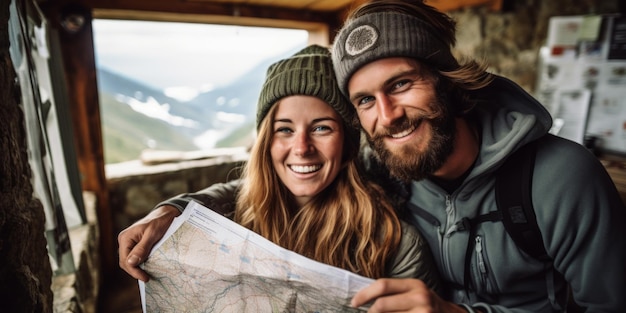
403, 133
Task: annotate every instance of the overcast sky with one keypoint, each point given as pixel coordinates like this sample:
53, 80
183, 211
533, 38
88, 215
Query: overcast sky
199, 56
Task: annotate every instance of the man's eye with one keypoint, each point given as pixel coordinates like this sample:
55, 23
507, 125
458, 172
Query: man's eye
365, 101
400, 84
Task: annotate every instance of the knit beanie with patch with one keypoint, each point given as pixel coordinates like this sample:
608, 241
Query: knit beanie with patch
309, 72
381, 35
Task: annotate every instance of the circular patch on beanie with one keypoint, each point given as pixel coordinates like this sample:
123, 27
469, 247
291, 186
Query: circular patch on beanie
360, 39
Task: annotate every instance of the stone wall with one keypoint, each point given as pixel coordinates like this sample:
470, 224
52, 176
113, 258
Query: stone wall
78, 292
135, 188
509, 41
25, 270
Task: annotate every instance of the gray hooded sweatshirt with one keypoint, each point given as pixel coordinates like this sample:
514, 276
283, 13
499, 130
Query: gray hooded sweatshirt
579, 212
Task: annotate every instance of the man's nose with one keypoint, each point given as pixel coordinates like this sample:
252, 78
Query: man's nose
388, 112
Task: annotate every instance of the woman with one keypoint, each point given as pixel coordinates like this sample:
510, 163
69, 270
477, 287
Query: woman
302, 186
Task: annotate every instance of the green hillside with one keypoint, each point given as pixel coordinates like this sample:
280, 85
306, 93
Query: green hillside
241, 137
126, 133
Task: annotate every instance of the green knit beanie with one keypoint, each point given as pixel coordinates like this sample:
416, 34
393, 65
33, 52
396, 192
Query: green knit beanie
308, 72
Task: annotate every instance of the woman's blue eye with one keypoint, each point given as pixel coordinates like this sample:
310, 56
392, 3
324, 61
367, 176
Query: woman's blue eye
321, 128
283, 130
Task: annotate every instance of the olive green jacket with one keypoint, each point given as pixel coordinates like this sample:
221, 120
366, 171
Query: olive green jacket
412, 260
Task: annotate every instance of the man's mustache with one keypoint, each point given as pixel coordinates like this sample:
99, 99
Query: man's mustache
404, 124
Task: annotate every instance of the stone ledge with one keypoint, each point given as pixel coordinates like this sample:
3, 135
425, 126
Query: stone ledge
78, 292
141, 168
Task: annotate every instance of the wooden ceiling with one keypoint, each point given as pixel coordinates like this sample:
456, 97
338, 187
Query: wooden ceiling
309, 5
336, 5
322, 15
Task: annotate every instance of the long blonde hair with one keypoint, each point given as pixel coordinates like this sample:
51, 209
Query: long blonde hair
348, 225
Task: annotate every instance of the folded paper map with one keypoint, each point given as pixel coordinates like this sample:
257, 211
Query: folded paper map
207, 263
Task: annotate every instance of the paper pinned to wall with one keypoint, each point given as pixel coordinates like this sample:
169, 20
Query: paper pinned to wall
607, 118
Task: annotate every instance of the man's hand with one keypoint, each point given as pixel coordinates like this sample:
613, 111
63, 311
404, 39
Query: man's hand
136, 241
402, 295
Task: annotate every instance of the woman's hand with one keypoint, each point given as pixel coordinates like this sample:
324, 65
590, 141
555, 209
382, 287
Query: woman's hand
136, 241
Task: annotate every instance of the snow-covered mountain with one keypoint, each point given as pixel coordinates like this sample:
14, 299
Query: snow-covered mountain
136, 116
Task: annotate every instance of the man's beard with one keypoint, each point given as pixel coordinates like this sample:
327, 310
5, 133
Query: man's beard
408, 162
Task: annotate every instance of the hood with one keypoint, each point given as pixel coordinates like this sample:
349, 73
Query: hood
510, 118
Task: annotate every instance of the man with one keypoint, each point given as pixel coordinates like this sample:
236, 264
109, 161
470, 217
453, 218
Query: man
444, 129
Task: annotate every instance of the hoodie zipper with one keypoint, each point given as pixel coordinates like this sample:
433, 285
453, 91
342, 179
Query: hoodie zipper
479, 255
445, 254
480, 259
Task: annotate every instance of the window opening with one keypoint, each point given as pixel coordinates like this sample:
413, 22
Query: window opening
174, 86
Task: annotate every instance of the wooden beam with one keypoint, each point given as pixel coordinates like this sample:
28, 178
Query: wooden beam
231, 13
320, 25
80, 73
447, 5
318, 32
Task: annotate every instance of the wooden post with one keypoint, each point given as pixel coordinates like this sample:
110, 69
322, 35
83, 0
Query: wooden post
73, 24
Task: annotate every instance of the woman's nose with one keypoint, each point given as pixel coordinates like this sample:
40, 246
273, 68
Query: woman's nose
303, 145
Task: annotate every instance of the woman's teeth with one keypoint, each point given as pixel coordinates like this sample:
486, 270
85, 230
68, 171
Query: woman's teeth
305, 168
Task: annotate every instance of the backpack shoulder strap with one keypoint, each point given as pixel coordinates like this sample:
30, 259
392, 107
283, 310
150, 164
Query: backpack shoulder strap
514, 207
514, 201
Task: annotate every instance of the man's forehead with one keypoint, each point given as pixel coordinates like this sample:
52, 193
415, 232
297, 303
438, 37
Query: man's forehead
383, 71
